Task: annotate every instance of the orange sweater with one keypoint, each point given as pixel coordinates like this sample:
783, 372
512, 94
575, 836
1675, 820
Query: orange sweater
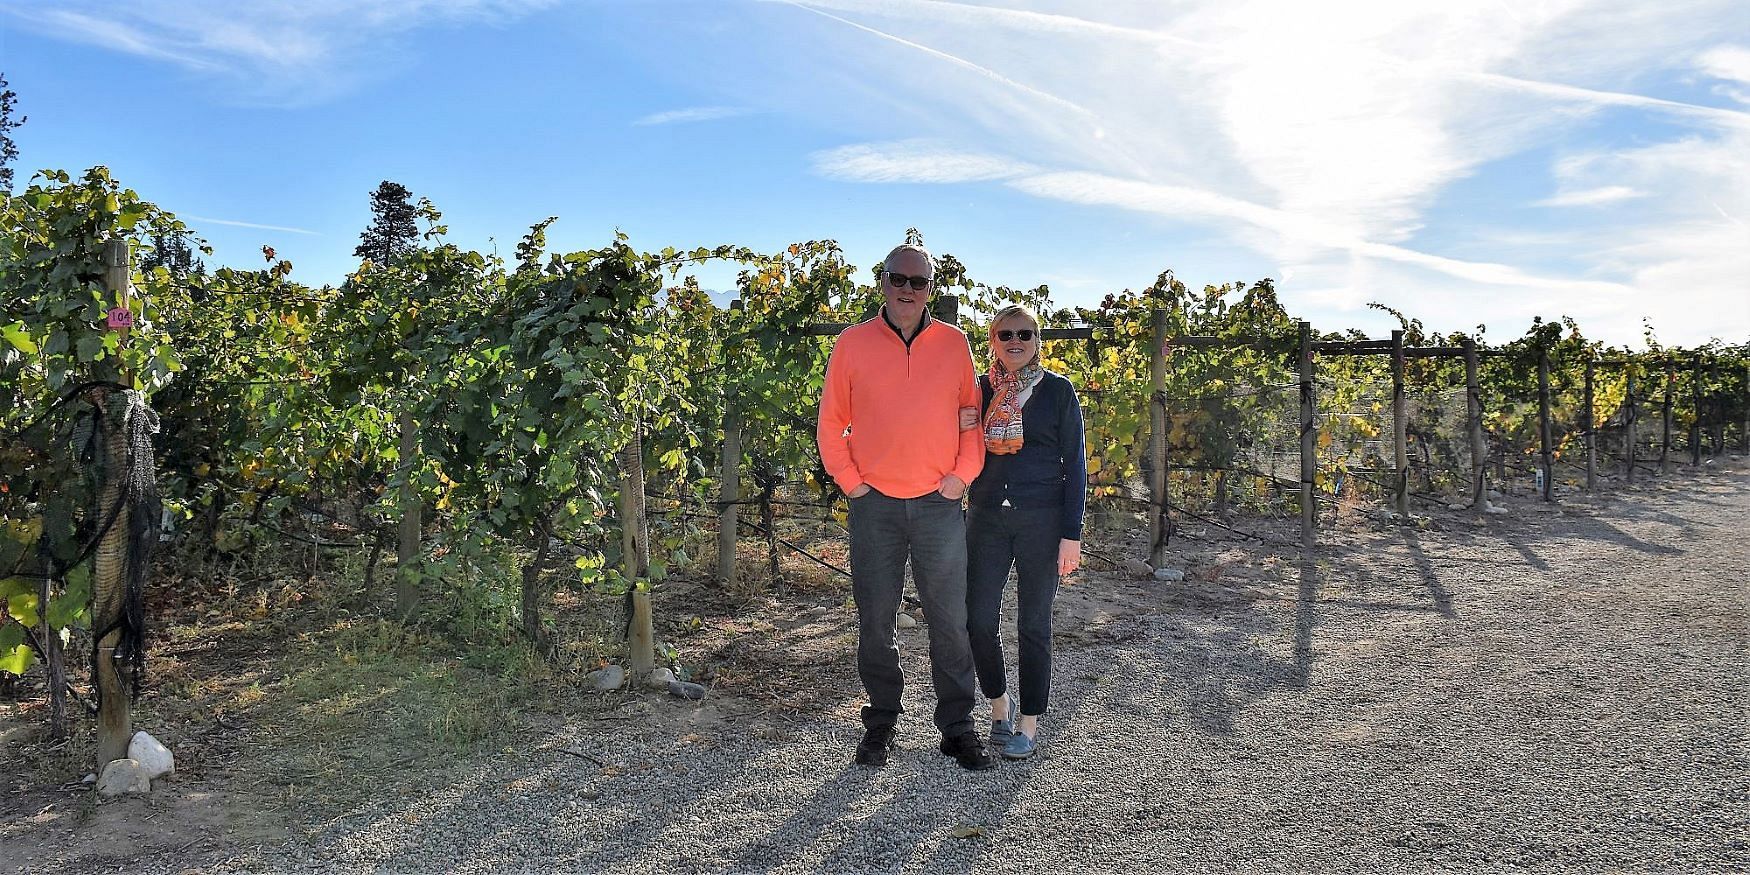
901, 408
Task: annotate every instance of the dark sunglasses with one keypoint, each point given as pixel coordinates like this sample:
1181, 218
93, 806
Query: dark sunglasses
899, 280
1022, 335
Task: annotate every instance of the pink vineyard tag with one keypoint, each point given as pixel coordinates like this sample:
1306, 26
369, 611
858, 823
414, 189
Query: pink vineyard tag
121, 317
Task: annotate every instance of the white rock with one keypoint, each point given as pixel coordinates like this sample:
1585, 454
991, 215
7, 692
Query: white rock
90, 778
1495, 509
907, 621
152, 755
122, 778
1457, 505
606, 680
659, 678
1169, 574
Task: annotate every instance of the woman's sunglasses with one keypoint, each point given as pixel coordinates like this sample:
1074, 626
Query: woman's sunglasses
899, 281
1022, 335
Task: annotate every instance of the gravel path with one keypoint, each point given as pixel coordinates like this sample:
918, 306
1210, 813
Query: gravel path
1545, 691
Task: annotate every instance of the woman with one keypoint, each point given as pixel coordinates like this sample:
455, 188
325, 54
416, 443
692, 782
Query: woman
1025, 511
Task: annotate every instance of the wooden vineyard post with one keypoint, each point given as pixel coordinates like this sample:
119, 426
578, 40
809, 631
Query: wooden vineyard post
1543, 432
635, 547
1399, 428
1665, 436
115, 725
412, 509
1474, 424
1631, 413
641, 659
947, 309
1718, 440
730, 492
1159, 523
1746, 434
1588, 422
1309, 514
1695, 404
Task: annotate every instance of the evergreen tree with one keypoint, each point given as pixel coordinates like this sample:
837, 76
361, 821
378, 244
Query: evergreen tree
8, 150
392, 231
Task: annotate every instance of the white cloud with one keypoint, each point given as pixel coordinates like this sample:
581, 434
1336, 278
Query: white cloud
1327, 137
302, 52
1726, 62
1607, 194
913, 161
692, 114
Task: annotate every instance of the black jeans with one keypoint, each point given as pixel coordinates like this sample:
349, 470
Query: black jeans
931, 531
1027, 539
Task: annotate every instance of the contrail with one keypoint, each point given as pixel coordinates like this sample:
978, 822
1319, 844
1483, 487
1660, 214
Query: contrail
237, 224
952, 59
1065, 24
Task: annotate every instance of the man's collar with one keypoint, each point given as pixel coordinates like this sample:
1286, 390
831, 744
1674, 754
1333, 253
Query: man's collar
923, 321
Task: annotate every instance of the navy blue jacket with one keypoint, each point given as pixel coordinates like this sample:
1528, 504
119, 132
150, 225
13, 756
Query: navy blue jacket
1052, 467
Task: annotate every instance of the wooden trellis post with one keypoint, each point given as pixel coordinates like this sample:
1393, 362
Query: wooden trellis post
1543, 432
1630, 415
729, 492
1159, 523
1399, 427
1695, 404
1309, 513
1665, 435
115, 724
1746, 434
1474, 424
1588, 422
412, 509
635, 548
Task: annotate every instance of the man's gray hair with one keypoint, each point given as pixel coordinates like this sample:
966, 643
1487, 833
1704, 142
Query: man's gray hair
911, 247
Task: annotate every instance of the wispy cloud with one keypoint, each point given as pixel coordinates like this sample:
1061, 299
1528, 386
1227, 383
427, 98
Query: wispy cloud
1050, 99
692, 114
236, 224
1591, 197
913, 161
293, 51
1325, 138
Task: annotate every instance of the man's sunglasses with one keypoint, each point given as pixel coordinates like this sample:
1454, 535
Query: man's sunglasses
1022, 335
899, 281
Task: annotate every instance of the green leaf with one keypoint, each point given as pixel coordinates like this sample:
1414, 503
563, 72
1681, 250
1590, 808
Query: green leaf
70, 606
22, 607
131, 216
15, 655
12, 586
20, 341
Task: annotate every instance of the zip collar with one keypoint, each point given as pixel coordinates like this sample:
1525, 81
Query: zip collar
923, 323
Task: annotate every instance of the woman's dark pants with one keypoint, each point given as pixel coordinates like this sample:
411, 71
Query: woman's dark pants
1026, 539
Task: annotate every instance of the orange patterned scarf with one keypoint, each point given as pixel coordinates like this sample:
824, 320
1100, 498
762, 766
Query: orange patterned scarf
1002, 421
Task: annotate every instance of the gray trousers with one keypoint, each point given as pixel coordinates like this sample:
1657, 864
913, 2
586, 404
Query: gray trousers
931, 531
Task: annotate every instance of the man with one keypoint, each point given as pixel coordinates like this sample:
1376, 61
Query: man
890, 437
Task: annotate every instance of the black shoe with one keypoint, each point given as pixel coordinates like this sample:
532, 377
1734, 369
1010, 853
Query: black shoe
968, 750
877, 741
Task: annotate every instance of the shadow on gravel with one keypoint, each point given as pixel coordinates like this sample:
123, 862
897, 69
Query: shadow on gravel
1597, 529
803, 827
1430, 579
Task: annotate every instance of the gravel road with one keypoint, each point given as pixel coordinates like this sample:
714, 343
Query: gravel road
1537, 691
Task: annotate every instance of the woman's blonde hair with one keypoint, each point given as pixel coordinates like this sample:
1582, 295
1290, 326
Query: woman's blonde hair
1012, 310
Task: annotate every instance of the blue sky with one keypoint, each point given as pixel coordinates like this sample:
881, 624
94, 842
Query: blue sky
1478, 164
